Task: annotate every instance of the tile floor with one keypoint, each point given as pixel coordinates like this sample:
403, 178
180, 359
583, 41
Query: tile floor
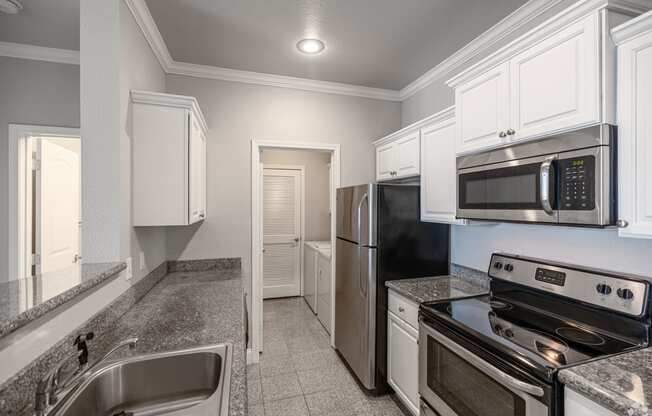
300, 375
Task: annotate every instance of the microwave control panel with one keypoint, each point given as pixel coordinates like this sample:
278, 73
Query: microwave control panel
577, 184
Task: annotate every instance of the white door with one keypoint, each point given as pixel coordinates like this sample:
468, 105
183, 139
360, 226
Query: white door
482, 110
403, 361
408, 155
197, 175
438, 173
635, 136
281, 232
555, 84
385, 161
57, 204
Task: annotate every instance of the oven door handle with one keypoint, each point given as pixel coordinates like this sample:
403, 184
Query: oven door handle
544, 175
482, 365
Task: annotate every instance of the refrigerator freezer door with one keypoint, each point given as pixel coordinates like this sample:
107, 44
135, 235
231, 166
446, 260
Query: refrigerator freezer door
355, 309
356, 214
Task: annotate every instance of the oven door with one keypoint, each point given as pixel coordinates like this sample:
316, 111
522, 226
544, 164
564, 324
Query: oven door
456, 382
517, 190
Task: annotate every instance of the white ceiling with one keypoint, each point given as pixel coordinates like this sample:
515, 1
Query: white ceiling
376, 43
49, 23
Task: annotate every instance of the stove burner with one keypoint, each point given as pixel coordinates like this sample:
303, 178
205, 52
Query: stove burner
500, 306
580, 336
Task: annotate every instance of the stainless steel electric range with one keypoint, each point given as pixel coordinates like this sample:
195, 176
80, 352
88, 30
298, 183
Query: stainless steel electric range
499, 354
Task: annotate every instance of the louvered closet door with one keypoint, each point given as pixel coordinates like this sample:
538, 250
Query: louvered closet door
282, 232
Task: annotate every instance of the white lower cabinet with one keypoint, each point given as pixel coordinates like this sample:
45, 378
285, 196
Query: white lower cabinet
403, 359
324, 291
577, 405
634, 40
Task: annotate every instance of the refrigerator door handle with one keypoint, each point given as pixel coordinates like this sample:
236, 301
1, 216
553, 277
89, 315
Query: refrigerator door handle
362, 279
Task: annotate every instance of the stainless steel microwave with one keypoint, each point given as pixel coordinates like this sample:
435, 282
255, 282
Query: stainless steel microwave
566, 179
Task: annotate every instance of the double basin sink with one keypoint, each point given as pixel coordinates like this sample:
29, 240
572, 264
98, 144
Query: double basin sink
192, 382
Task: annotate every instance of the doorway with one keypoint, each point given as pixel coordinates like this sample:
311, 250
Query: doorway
273, 183
45, 199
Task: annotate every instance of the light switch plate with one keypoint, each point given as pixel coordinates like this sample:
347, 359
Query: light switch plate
142, 260
129, 271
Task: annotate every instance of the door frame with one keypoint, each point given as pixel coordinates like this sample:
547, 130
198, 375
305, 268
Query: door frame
302, 210
17, 157
257, 146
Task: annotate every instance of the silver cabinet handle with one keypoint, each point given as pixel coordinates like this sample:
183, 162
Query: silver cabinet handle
401, 309
544, 176
622, 223
502, 134
511, 132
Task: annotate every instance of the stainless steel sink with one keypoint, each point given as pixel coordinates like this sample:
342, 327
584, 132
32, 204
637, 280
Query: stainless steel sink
188, 382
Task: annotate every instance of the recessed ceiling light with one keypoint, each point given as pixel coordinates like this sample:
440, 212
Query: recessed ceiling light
310, 46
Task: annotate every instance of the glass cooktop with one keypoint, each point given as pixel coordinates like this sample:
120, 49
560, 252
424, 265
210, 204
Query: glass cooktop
550, 341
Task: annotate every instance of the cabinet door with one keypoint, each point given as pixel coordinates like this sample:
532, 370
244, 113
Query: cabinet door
403, 361
555, 85
385, 161
481, 108
407, 155
438, 173
195, 171
635, 136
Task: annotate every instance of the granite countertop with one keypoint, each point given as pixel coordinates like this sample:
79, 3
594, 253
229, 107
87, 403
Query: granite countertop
24, 300
188, 309
622, 384
429, 289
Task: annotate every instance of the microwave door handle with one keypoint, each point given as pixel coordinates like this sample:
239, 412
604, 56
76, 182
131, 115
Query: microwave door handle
544, 175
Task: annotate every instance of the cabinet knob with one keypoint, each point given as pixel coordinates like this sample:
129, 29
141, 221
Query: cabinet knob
622, 224
511, 132
401, 309
502, 134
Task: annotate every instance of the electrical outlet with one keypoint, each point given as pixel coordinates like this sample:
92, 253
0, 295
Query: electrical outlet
129, 271
142, 261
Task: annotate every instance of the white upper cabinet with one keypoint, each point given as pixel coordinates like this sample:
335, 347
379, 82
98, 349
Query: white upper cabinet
397, 155
168, 160
438, 169
557, 77
555, 84
482, 107
634, 41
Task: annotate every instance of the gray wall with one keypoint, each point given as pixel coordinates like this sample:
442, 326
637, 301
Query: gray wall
318, 220
472, 245
237, 113
32, 92
140, 70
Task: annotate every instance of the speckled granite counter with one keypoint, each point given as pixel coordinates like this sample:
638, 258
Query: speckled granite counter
622, 384
463, 282
24, 300
188, 309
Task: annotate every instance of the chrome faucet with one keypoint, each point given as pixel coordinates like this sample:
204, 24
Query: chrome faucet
53, 386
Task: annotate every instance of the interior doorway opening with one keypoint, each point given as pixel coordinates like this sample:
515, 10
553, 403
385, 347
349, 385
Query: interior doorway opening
293, 188
45, 200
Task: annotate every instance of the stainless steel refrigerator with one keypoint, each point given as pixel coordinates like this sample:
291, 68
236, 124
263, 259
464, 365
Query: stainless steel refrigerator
379, 237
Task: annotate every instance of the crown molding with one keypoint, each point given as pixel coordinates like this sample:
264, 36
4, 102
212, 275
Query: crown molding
510, 24
447, 114
145, 21
39, 53
247, 77
632, 28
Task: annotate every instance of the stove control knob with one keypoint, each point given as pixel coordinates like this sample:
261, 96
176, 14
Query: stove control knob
625, 294
603, 289
498, 265
509, 267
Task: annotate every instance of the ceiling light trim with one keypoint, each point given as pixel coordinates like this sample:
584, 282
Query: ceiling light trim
39, 53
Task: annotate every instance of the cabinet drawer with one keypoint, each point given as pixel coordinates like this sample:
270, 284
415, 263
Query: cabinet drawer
404, 309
